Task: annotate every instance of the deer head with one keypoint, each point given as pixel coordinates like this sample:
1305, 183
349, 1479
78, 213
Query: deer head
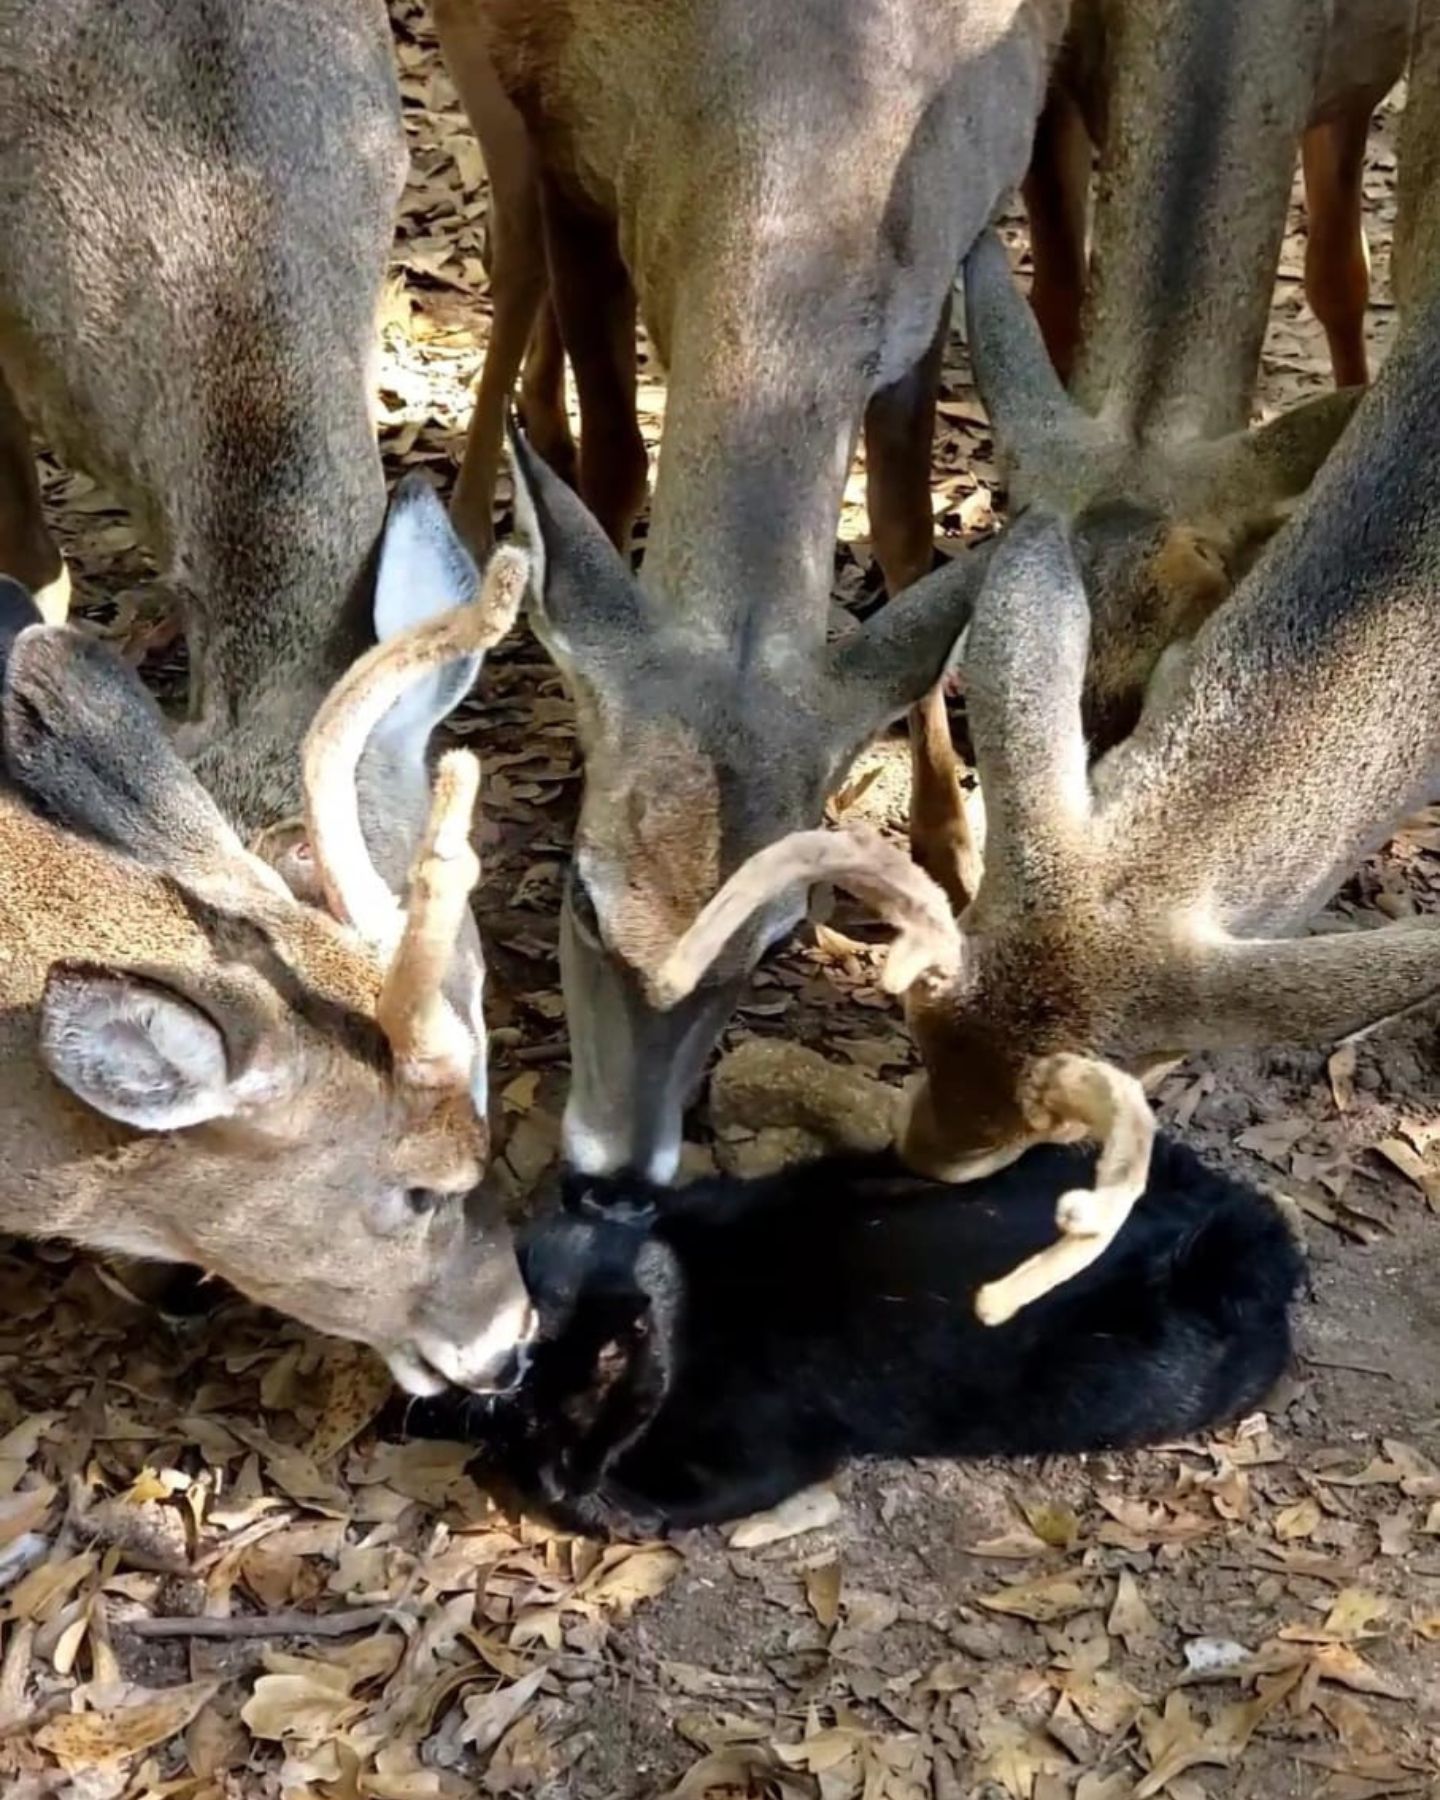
1166, 518
688, 772
200, 1066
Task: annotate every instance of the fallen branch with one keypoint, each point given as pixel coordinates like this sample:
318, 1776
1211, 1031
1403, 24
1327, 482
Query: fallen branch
257, 1625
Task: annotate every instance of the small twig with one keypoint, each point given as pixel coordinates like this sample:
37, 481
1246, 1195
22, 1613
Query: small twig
552, 1050
257, 1625
1355, 1368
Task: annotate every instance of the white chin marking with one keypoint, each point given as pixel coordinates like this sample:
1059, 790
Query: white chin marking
53, 599
413, 1375
591, 1153
587, 1150
476, 1363
664, 1161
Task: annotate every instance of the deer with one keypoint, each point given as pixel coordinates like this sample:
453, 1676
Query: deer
200, 1067
188, 306
1151, 451
1336, 70
1152, 903
784, 196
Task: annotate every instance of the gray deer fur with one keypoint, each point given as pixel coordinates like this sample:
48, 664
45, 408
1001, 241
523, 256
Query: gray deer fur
1154, 903
1207, 103
790, 191
197, 201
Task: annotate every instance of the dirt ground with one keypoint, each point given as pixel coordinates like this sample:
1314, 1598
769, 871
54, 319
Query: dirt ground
1255, 1615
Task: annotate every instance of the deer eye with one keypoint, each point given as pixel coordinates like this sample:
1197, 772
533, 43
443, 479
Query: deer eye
422, 1199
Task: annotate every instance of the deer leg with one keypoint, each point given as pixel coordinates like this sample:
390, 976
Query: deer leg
515, 259
595, 305
1337, 261
1056, 192
27, 550
542, 395
899, 435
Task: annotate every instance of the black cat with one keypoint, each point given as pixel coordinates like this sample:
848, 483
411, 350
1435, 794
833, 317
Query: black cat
708, 1350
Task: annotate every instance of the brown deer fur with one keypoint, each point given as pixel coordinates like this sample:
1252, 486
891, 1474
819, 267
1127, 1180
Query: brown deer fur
198, 1067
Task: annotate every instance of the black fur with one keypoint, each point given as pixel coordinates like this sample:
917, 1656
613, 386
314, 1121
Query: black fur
709, 1350
17, 612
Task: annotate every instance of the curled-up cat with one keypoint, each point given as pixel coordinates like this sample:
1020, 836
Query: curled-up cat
706, 1351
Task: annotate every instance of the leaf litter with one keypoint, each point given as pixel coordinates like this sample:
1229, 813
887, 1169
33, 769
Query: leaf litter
1255, 1615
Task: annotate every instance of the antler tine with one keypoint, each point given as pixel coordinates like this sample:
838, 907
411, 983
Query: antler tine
354, 888
857, 859
430, 1046
1066, 1091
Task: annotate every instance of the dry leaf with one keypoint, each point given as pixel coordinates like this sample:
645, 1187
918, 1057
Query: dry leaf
1355, 1610
1348, 1620
215, 1742
1341, 1664
1049, 1597
1341, 1069
23, 1512
489, 1716
1297, 1521
79, 1741
1352, 1723
1052, 1523
822, 1591
1395, 1531
1130, 1618
1015, 1757
1413, 1167
811, 1509
1176, 1742
518, 1096
1104, 1700
1274, 1139
625, 1577
357, 1385
300, 1699
1093, 1786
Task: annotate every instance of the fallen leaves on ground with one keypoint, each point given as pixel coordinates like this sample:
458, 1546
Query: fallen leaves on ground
236, 1469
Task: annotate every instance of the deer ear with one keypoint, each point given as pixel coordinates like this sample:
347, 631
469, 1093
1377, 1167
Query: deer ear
286, 848
134, 1050
1246, 478
423, 570
586, 605
903, 651
88, 746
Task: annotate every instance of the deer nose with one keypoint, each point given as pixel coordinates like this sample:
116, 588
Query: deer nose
495, 1358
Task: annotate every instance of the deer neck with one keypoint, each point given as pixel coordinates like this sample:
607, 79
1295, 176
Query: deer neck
764, 394
1208, 104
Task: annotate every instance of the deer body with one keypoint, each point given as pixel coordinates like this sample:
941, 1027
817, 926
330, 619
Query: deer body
197, 202
787, 192
197, 199
1150, 448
